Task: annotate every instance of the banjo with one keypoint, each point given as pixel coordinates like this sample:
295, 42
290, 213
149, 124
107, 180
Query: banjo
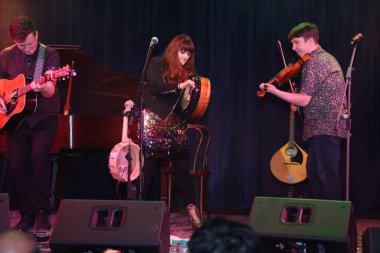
123, 160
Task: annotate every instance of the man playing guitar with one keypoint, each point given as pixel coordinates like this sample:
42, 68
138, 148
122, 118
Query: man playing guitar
29, 143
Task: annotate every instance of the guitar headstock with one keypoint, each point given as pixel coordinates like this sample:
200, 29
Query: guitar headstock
63, 72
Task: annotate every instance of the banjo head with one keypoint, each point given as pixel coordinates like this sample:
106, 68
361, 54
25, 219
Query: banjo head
119, 164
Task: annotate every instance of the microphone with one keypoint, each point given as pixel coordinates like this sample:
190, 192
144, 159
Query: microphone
356, 38
153, 41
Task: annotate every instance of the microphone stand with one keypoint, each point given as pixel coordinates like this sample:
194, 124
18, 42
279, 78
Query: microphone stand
347, 117
131, 191
142, 90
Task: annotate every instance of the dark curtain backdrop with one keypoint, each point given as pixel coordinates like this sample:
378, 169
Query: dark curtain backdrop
235, 48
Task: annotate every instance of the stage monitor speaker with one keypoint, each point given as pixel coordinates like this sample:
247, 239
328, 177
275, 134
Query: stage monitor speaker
309, 221
4, 212
130, 226
371, 240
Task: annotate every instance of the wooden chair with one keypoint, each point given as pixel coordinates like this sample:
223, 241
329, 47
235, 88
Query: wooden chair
199, 168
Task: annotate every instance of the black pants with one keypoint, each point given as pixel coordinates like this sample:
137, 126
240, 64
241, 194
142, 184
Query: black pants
323, 167
181, 178
28, 152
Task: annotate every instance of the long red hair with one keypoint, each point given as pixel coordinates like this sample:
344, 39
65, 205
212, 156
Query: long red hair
174, 71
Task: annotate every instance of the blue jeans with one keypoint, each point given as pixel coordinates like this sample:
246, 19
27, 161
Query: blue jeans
323, 167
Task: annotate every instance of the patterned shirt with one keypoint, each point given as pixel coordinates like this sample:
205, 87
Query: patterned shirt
323, 80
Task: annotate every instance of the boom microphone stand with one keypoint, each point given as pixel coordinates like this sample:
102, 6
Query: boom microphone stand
142, 89
347, 115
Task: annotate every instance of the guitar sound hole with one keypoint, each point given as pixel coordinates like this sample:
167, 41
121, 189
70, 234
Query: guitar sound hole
10, 107
291, 151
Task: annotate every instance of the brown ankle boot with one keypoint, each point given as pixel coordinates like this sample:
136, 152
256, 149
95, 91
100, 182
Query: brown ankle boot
194, 216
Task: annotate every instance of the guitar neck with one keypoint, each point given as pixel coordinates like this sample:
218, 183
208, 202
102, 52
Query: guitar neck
291, 127
128, 107
125, 137
24, 90
41, 80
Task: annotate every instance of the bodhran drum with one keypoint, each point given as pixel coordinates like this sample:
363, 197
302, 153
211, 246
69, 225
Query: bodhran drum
118, 162
194, 103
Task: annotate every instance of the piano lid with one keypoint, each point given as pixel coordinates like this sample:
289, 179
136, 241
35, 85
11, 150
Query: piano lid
96, 90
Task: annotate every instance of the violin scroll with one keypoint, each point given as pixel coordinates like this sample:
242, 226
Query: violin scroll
261, 93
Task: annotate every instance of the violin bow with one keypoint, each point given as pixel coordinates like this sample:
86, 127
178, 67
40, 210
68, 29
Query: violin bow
279, 46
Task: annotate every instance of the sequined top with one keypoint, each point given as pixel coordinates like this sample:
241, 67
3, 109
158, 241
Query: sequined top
323, 80
165, 133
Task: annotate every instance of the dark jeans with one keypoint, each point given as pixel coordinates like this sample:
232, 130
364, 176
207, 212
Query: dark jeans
28, 151
323, 167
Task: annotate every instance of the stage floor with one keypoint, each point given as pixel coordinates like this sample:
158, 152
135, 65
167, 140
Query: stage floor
180, 229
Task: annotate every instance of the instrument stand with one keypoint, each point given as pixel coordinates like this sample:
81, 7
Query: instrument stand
142, 90
131, 190
291, 191
347, 117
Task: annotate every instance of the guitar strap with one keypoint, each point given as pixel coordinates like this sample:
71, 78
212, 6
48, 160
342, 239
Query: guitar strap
40, 62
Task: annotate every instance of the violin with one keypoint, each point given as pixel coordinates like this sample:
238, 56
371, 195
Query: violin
287, 73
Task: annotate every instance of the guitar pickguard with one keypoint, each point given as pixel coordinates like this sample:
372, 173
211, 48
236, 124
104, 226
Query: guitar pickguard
298, 158
10, 107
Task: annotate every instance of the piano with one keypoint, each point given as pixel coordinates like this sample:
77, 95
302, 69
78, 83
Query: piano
98, 95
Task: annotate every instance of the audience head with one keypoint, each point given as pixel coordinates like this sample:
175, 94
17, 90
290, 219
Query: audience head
14, 241
219, 235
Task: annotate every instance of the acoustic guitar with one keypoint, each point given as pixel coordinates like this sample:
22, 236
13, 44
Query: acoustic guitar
289, 163
18, 99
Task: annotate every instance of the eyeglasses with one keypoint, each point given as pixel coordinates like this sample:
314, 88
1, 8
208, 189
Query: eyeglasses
186, 50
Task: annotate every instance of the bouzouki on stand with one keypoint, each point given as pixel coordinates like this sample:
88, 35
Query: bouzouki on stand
288, 164
19, 98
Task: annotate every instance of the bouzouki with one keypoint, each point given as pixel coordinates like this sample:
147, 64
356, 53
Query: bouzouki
289, 163
18, 98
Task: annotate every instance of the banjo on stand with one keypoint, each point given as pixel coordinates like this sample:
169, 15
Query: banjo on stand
123, 160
